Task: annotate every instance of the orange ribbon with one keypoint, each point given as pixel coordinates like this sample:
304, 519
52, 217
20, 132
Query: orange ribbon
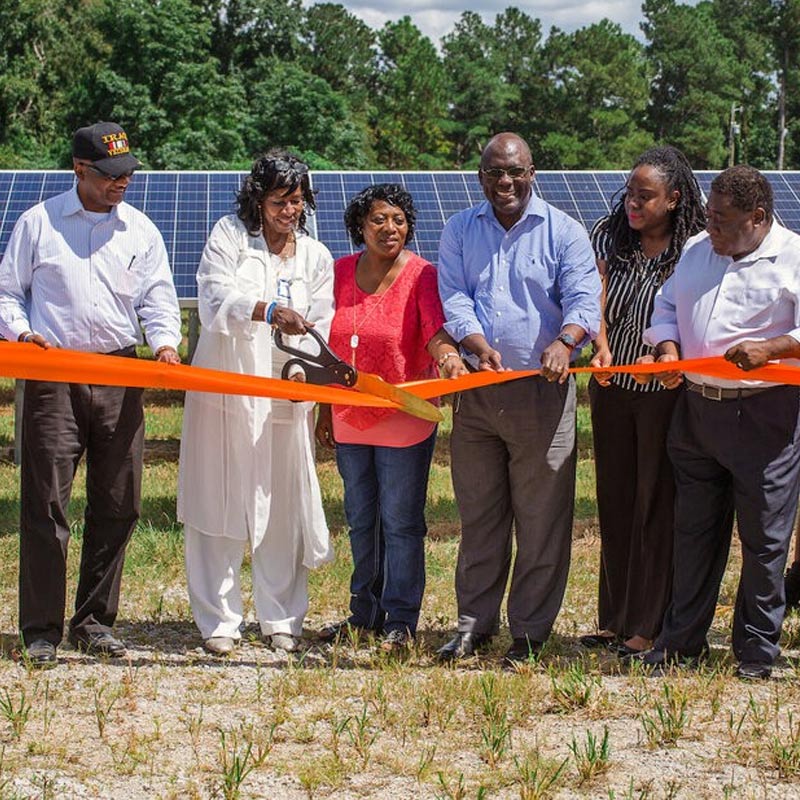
713, 367
30, 362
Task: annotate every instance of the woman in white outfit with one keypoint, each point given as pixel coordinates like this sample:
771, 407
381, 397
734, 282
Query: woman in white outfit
247, 475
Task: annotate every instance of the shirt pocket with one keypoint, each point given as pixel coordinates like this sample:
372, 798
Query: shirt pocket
759, 305
128, 275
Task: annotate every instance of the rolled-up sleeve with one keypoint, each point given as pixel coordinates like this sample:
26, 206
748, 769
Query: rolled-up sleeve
457, 301
579, 282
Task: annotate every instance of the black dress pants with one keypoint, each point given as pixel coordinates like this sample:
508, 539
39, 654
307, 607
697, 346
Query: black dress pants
737, 456
635, 500
60, 423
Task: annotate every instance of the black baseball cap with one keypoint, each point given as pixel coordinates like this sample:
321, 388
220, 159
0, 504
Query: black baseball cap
105, 144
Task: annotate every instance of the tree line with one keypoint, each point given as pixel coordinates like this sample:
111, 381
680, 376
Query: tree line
207, 84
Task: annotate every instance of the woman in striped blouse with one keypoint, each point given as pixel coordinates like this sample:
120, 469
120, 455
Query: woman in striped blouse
637, 247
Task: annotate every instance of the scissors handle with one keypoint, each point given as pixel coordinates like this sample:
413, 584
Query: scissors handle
322, 367
340, 372
324, 357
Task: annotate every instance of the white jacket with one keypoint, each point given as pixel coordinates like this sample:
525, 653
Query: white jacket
226, 445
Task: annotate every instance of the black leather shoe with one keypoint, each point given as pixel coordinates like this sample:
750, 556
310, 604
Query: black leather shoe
753, 671
623, 651
658, 658
522, 651
462, 645
40, 654
593, 641
102, 644
791, 585
343, 629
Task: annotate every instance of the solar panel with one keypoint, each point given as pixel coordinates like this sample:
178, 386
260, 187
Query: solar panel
186, 205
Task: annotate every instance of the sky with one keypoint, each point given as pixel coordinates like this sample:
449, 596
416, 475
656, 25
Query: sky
435, 18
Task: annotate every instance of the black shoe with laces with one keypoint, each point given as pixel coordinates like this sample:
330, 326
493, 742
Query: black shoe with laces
40, 654
396, 640
100, 643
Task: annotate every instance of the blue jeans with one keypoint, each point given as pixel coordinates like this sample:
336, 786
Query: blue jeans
384, 502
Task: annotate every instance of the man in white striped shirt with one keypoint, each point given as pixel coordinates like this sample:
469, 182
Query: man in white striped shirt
81, 271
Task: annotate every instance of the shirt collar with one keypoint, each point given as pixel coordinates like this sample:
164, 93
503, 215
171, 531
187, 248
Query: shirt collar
73, 205
535, 208
770, 246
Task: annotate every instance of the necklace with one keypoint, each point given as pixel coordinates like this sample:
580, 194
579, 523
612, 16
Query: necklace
354, 339
286, 250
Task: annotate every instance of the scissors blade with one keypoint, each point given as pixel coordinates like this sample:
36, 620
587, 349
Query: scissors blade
411, 404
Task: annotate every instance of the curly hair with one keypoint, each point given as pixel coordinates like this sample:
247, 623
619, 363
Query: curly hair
747, 188
359, 206
275, 169
686, 219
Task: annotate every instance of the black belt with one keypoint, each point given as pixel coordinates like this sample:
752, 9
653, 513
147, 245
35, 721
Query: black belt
718, 393
125, 352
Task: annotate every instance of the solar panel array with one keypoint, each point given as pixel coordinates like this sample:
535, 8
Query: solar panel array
185, 205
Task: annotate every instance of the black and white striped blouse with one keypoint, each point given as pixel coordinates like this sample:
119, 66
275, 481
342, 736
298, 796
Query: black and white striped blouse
631, 287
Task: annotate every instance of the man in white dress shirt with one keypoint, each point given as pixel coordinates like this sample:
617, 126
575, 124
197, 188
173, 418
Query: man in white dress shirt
734, 444
81, 271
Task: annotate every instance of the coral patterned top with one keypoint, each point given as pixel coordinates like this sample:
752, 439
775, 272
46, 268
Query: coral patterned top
393, 329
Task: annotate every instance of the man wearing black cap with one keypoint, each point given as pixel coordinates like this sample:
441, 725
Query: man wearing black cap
83, 270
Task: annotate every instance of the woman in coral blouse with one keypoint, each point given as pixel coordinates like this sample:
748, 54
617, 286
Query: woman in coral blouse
388, 321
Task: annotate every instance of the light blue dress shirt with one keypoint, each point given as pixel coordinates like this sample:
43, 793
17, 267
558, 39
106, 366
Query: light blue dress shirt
518, 287
85, 281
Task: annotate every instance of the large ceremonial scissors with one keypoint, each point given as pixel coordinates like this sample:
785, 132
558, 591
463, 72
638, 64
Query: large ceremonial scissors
325, 367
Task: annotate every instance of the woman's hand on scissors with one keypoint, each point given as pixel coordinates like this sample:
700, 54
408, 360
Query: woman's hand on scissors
288, 321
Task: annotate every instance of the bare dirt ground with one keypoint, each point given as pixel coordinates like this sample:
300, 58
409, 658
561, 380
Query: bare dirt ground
174, 722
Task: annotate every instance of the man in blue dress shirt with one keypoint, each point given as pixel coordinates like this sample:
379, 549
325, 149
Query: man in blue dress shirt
521, 291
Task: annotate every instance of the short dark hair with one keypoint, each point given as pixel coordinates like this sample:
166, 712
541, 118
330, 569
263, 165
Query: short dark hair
747, 188
359, 206
276, 169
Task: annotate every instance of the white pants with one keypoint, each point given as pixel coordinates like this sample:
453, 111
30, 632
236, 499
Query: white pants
213, 566
280, 581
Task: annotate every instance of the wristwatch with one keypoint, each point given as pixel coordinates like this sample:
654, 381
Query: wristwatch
568, 341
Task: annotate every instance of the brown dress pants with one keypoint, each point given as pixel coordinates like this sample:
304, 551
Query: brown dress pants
60, 423
513, 463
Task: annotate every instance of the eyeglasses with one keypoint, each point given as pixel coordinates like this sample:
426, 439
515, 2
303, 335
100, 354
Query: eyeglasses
495, 173
104, 175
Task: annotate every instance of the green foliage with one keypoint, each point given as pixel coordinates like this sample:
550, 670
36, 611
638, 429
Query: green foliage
410, 99
592, 756
205, 84
296, 109
596, 100
697, 79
